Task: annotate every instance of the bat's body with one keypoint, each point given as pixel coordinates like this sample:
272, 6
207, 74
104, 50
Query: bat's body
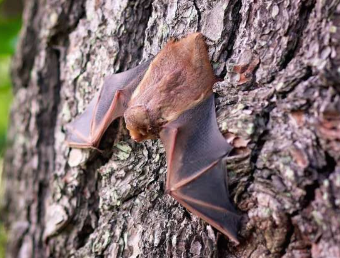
171, 98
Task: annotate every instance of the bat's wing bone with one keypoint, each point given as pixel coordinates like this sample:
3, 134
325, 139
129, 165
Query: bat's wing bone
110, 103
196, 177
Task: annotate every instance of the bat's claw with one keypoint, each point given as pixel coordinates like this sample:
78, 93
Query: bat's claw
97, 149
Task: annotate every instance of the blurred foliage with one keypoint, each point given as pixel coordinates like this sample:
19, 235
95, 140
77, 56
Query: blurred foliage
5, 99
9, 28
2, 241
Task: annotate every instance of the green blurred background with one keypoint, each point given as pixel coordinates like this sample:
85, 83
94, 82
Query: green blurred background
10, 23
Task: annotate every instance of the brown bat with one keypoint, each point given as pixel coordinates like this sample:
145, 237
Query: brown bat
171, 97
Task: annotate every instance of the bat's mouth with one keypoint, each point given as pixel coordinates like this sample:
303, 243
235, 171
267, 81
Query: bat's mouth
137, 136
141, 135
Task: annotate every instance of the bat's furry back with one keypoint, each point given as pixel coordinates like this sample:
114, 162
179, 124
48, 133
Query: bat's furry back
178, 79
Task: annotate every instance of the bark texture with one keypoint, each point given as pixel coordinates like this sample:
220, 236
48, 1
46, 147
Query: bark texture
278, 104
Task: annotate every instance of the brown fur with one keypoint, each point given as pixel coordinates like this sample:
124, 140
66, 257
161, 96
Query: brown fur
178, 79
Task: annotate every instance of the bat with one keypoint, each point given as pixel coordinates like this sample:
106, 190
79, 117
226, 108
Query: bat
171, 98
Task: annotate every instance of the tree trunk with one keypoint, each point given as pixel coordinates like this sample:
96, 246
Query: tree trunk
278, 104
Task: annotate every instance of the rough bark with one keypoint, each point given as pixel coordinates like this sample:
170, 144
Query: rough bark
278, 104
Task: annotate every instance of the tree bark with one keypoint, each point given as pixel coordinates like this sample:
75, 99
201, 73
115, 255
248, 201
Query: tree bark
278, 104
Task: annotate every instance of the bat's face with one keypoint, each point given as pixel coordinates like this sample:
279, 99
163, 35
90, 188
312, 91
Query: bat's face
138, 123
178, 79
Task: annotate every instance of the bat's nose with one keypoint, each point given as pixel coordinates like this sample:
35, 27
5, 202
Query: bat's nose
135, 135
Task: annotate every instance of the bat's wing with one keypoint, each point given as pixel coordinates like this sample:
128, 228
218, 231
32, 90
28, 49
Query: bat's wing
110, 103
196, 177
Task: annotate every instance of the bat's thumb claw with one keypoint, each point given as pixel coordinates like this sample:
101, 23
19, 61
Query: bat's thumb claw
99, 150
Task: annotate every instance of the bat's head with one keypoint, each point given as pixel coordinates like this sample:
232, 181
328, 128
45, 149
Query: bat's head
138, 122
